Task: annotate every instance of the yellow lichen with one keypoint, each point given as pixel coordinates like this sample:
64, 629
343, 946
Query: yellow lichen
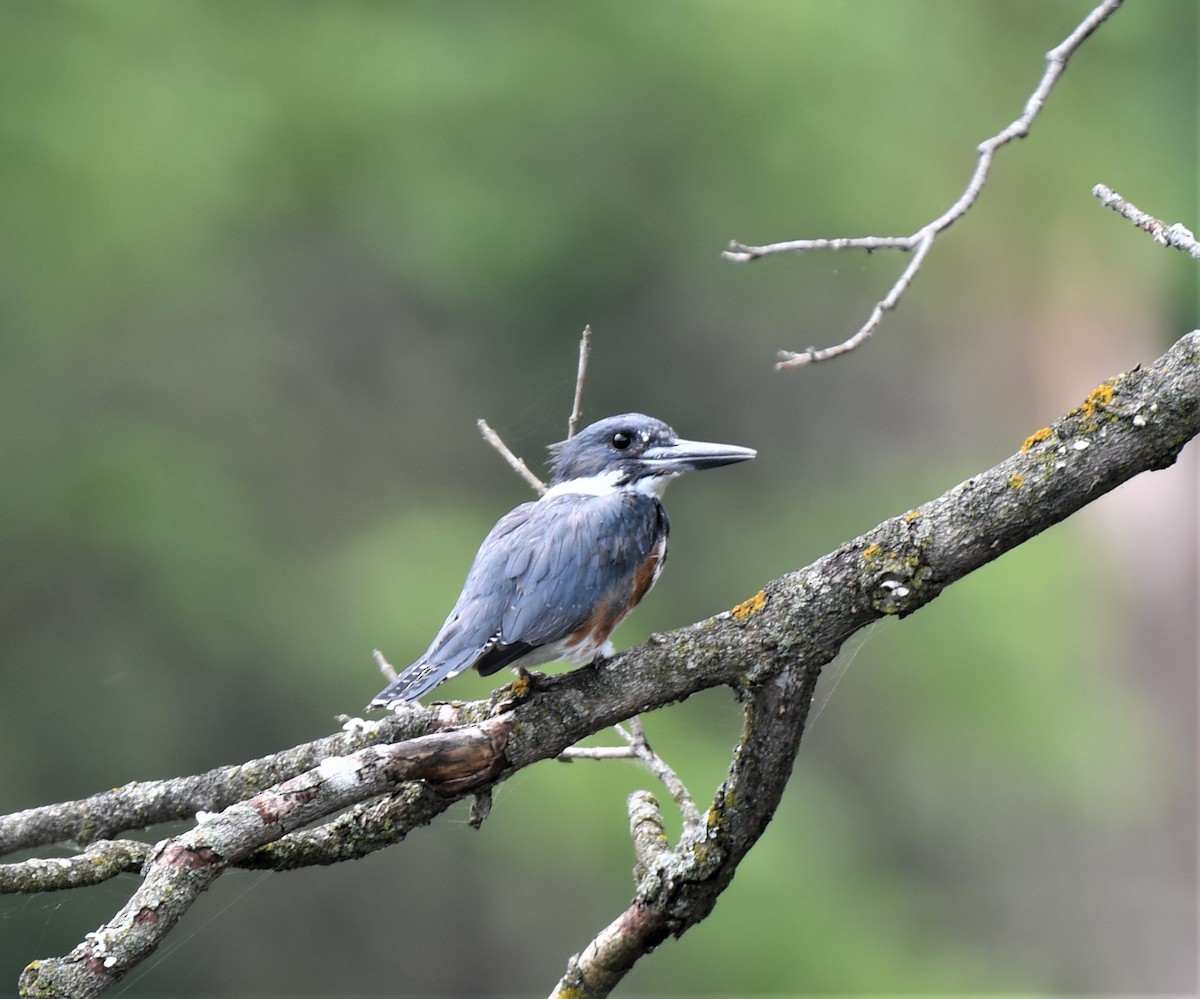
748, 608
912, 515
872, 552
1016, 480
1098, 398
1036, 438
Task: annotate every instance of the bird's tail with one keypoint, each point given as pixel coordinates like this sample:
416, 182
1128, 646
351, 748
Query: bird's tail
420, 678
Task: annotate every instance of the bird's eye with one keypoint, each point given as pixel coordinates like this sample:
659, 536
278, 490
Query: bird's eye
621, 440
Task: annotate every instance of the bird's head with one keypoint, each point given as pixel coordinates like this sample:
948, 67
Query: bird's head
632, 451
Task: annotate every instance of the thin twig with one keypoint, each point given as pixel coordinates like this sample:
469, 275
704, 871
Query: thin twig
921, 241
517, 464
514, 462
585, 350
659, 767
104, 859
385, 667
573, 753
637, 747
1176, 235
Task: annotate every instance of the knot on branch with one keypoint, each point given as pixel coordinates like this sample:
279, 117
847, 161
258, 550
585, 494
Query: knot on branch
894, 574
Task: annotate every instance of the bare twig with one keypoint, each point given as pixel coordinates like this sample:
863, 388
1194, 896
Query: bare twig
1176, 235
514, 462
102, 860
636, 737
385, 667
573, 753
921, 241
585, 350
517, 464
637, 747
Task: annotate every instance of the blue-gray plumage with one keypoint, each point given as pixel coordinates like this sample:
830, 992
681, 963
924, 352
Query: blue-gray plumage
555, 576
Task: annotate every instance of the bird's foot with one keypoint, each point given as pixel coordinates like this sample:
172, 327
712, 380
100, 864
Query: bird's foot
516, 692
526, 682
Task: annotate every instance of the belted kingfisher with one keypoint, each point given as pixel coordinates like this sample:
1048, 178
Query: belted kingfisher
556, 575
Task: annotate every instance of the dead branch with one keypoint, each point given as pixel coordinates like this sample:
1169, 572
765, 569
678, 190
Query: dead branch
1176, 235
585, 351
921, 241
637, 747
515, 463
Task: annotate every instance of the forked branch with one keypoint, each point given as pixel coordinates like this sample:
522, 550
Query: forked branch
921, 242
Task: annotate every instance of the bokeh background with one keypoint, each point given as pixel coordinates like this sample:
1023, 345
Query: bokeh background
264, 265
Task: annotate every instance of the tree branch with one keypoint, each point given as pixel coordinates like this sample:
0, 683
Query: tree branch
516, 464
678, 888
921, 241
100, 861
897, 568
1176, 235
585, 351
770, 649
637, 747
141, 804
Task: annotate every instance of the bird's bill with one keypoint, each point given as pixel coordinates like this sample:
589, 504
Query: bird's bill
688, 456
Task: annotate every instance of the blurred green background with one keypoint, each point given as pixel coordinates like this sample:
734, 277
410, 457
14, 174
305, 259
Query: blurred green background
264, 265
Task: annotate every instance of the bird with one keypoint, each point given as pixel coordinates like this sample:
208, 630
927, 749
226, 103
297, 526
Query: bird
556, 575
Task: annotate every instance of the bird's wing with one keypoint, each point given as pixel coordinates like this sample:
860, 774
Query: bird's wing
587, 552
539, 574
